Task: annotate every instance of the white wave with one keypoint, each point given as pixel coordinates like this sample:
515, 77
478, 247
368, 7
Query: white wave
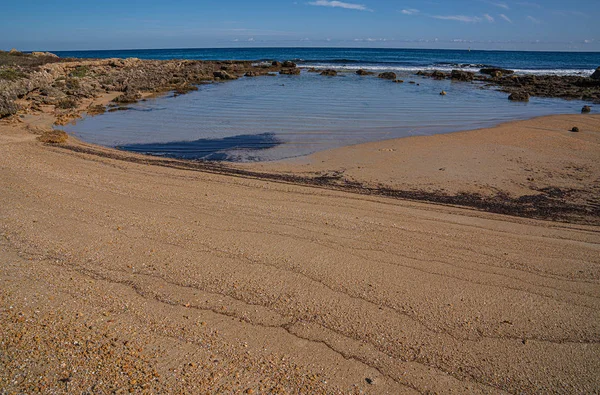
408, 69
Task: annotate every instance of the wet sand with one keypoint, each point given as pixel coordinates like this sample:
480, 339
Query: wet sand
119, 275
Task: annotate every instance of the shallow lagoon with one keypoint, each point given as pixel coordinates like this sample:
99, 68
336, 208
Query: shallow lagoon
270, 118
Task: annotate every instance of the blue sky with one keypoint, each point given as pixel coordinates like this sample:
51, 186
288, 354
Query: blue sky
477, 24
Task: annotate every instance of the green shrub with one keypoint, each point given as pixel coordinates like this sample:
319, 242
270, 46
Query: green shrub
11, 74
80, 71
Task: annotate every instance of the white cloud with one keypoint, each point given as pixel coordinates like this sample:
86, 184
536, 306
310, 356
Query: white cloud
529, 4
496, 4
340, 4
488, 17
501, 5
410, 11
534, 20
507, 19
459, 18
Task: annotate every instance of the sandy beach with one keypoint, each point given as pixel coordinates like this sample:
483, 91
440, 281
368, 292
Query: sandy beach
121, 274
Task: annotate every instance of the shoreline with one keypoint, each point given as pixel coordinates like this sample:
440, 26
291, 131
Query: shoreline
162, 279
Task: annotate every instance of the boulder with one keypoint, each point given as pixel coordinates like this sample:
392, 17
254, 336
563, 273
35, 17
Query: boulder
596, 75
48, 54
461, 75
496, 71
288, 63
586, 109
290, 71
388, 75
276, 63
575, 129
364, 72
329, 73
224, 75
130, 96
519, 96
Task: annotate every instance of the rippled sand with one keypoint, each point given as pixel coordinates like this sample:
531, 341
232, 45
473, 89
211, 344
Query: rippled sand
125, 276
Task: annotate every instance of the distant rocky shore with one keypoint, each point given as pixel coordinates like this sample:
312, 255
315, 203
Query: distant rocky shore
30, 81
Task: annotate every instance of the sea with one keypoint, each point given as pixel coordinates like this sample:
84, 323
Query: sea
281, 117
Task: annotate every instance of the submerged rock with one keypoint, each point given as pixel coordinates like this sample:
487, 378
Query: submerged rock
329, 73
388, 75
586, 109
364, 72
519, 96
291, 71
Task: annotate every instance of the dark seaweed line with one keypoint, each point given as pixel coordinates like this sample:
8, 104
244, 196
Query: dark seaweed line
541, 206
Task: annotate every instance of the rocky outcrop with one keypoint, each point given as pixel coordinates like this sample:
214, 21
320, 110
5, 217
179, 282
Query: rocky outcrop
290, 71
460, 75
224, 75
388, 75
130, 96
596, 74
496, 71
438, 75
364, 72
276, 64
49, 54
288, 63
519, 96
329, 73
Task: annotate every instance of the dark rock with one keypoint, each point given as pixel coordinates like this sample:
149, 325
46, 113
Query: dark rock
496, 71
291, 71
575, 129
364, 72
288, 63
586, 109
460, 75
519, 96
252, 74
276, 63
443, 93
130, 96
224, 75
596, 75
329, 73
388, 75
438, 75
399, 81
